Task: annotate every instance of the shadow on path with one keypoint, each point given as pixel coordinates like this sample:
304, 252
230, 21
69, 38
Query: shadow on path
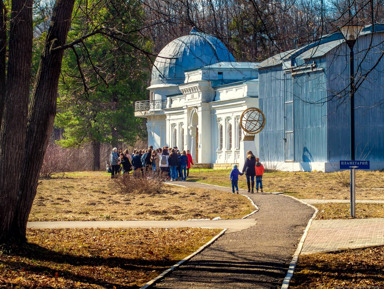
257, 257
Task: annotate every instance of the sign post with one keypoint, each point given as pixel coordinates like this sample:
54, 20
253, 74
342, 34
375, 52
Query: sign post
353, 165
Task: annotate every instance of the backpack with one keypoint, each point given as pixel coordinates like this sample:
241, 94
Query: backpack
164, 161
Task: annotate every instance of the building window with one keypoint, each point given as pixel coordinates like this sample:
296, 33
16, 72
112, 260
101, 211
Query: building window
229, 135
220, 135
239, 134
174, 136
181, 148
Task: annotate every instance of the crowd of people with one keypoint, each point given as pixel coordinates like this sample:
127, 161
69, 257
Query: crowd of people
168, 163
173, 164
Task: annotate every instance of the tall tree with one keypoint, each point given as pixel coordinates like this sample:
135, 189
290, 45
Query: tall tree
24, 134
101, 79
28, 115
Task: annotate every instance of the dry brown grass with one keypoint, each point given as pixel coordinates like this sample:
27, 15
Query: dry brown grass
96, 258
94, 196
358, 268
343, 211
307, 185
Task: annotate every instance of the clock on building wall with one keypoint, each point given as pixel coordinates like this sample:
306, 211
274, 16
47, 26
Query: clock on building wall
252, 120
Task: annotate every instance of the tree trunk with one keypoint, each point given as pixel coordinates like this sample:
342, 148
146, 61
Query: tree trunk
96, 155
14, 118
42, 113
3, 49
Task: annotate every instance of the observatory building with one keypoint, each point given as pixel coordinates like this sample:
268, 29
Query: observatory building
198, 93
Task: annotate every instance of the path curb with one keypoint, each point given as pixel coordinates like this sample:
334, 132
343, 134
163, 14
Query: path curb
295, 259
178, 264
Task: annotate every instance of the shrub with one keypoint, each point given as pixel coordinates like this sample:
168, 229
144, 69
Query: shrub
127, 184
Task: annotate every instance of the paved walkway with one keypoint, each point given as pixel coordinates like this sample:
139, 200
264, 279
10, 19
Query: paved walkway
255, 252
333, 235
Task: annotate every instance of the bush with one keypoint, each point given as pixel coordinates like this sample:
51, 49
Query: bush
127, 184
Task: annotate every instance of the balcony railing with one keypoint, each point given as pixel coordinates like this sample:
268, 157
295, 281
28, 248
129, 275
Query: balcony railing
146, 105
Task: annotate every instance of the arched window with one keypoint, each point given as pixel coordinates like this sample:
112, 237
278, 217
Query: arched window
220, 136
174, 136
229, 134
181, 147
238, 133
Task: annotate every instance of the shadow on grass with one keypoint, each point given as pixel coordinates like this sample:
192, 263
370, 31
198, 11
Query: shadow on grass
32, 259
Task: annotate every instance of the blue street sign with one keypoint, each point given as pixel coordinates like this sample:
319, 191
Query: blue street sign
359, 165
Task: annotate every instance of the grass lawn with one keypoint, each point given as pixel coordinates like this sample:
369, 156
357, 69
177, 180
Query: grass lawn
96, 258
94, 196
113, 258
306, 185
128, 258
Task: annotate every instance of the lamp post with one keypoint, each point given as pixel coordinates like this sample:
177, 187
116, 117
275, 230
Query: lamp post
350, 33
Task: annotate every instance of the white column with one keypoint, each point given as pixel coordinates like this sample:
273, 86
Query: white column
247, 144
205, 136
167, 140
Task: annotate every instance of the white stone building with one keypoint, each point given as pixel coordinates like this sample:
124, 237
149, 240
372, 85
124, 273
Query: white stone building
197, 95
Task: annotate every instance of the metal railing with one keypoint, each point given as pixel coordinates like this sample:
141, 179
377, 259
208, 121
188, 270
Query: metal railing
146, 105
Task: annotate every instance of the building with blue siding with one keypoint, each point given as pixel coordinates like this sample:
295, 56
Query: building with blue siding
304, 94
198, 93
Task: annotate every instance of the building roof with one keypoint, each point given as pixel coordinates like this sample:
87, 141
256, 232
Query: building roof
232, 65
276, 59
188, 52
315, 49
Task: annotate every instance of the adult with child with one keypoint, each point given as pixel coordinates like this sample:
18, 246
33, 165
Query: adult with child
259, 168
114, 161
249, 170
234, 177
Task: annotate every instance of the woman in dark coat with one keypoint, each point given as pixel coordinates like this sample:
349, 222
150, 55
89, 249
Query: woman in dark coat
249, 170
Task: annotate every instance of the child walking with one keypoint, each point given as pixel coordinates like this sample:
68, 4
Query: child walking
234, 176
259, 168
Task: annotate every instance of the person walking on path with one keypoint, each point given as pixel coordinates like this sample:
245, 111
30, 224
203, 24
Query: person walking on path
190, 161
259, 168
234, 176
115, 163
249, 170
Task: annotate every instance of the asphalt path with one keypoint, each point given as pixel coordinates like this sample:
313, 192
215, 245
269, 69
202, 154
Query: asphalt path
254, 257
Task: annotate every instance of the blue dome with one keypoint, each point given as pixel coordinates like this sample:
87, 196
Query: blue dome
188, 52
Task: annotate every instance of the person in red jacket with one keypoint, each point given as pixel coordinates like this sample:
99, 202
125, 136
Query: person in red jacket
259, 168
190, 161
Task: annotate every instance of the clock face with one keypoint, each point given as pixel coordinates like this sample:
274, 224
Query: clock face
252, 120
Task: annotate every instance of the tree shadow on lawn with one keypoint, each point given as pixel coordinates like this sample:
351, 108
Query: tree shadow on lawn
36, 255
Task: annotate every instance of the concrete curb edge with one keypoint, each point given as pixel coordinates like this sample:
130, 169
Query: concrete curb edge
295, 259
178, 264
253, 203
